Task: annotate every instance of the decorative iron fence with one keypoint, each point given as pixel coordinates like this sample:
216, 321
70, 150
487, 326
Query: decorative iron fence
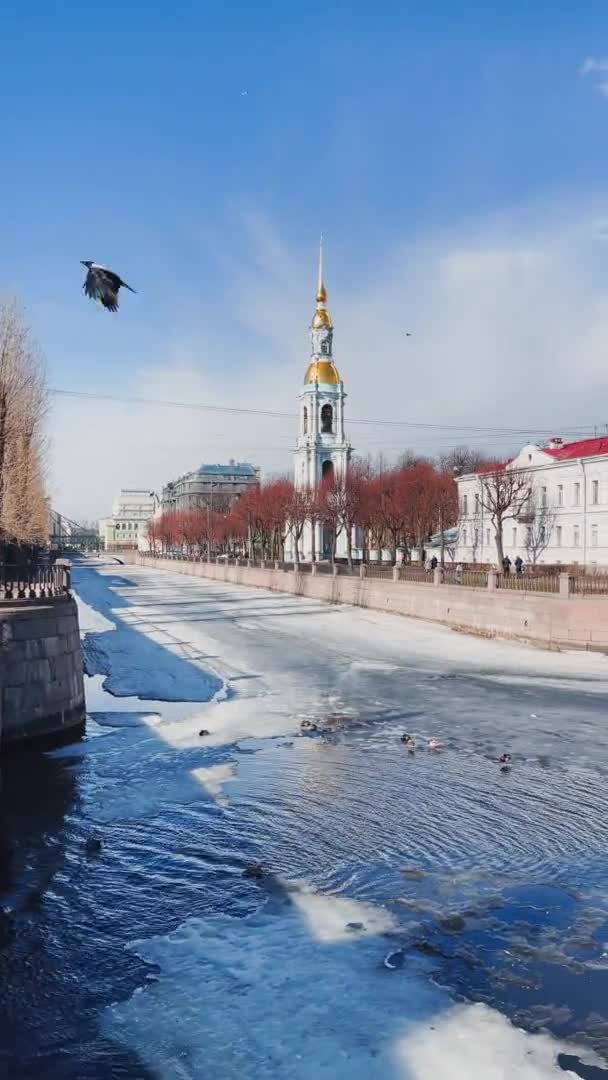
473, 579
415, 573
34, 582
589, 584
546, 583
379, 570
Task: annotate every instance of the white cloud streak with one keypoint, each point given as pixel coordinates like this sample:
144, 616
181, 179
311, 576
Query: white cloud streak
596, 65
593, 64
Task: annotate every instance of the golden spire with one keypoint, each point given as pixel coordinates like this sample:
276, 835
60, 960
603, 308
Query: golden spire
321, 316
321, 290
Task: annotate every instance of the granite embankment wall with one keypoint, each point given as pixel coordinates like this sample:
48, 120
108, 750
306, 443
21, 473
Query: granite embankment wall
549, 620
41, 678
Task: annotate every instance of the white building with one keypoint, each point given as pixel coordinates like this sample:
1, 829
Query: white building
322, 449
565, 519
126, 528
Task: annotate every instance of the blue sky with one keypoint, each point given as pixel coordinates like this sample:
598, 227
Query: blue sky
409, 133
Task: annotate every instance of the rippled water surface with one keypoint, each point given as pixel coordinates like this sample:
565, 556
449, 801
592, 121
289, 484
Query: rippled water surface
158, 957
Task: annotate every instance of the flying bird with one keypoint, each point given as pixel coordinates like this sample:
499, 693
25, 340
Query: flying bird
408, 333
102, 285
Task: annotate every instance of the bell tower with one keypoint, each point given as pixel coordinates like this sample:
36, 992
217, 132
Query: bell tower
322, 448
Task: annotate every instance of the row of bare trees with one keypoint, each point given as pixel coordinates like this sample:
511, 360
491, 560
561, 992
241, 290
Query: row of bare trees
23, 406
393, 509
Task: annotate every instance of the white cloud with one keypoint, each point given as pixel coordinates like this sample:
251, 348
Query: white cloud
592, 64
596, 65
510, 328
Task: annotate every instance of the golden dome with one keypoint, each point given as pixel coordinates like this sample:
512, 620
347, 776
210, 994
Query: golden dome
323, 371
321, 318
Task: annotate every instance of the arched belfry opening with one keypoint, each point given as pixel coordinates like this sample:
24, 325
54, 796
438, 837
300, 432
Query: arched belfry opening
327, 470
327, 420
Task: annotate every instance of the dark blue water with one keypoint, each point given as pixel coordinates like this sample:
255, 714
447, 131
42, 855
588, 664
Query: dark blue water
496, 884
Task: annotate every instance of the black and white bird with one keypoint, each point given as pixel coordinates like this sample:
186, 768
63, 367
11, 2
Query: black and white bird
102, 285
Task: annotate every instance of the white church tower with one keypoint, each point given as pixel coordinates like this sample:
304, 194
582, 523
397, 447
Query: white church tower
322, 449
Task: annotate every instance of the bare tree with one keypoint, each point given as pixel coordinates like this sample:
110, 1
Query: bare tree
539, 518
23, 404
504, 492
475, 535
298, 512
462, 460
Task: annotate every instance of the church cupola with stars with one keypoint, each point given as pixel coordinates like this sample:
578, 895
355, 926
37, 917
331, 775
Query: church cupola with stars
322, 450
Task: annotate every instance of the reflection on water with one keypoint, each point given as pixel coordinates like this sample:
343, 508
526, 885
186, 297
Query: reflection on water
51, 963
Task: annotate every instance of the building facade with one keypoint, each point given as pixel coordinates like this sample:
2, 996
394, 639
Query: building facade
210, 486
322, 448
565, 518
126, 527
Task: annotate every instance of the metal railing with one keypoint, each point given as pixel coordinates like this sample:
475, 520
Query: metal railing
547, 583
473, 579
589, 584
417, 574
34, 582
381, 570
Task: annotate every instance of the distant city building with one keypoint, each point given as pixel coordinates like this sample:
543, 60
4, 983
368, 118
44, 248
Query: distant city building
565, 519
130, 513
213, 486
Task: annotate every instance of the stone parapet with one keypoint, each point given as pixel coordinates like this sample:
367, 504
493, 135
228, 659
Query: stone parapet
41, 671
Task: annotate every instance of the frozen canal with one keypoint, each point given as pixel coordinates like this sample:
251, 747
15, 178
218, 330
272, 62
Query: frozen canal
157, 957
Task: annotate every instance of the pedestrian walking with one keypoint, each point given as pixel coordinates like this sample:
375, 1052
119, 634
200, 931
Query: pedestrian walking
519, 565
506, 566
434, 562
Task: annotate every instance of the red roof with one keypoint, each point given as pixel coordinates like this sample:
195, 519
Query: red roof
497, 467
582, 448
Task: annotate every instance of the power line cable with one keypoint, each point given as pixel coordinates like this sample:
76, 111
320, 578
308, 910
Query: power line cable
486, 430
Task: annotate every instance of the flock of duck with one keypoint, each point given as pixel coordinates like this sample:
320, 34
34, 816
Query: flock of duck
432, 744
505, 760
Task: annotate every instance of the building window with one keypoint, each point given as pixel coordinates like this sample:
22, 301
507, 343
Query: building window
577, 494
541, 534
594, 535
327, 419
576, 536
543, 496
464, 537
487, 536
514, 537
595, 492
305, 420
558, 536
465, 506
560, 494
477, 504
